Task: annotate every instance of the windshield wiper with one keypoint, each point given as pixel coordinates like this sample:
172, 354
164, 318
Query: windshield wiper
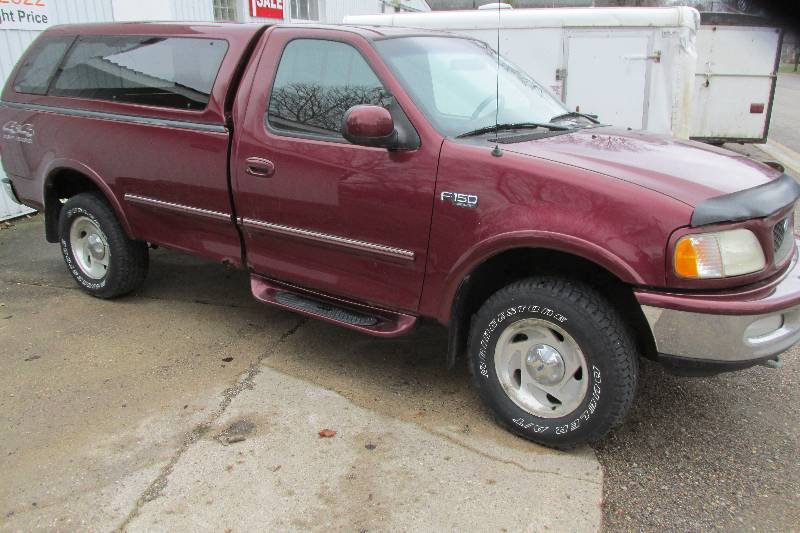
572, 114
513, 126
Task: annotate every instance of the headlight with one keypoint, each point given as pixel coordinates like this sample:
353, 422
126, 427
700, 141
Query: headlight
718, 255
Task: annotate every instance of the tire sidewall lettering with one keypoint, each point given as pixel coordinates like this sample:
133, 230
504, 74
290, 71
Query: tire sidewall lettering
509, 312
559, 426
66, 250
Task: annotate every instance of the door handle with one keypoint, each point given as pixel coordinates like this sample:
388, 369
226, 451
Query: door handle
259, 167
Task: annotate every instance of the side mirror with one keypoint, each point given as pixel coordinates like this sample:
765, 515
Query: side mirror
370, 125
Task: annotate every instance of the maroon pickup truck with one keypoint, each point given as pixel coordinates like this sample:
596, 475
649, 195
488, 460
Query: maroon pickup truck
374, 177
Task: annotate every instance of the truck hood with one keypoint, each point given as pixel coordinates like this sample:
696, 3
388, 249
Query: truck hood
688, 171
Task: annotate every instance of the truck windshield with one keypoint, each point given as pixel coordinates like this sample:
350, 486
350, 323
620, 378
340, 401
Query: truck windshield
454, 82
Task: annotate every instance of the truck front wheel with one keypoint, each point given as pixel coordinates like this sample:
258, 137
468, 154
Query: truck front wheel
101, 258
553, 361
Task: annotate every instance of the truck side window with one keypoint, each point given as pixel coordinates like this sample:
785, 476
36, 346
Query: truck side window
40, 65
316, 83
174, 72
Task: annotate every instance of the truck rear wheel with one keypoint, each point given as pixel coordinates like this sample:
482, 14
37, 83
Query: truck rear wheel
553, 361
101, 258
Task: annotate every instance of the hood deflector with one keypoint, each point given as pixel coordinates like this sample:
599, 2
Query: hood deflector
757, 202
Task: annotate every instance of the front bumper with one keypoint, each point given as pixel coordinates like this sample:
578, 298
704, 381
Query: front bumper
730, 329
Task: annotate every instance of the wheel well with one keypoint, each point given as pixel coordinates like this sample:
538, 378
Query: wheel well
60, 186
513, 265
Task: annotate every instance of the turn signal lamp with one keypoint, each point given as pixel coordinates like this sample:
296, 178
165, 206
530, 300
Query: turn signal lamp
718, 255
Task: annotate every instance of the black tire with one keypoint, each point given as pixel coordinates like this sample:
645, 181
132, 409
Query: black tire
603, 339
127, 259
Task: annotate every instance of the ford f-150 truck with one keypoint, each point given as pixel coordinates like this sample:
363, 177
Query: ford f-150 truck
374, 177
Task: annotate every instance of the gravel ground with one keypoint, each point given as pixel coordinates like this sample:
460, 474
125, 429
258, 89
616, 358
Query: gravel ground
700, 454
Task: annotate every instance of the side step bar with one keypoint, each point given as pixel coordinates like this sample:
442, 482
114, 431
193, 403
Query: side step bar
370, 320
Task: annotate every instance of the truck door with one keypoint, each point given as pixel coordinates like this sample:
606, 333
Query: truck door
316, 210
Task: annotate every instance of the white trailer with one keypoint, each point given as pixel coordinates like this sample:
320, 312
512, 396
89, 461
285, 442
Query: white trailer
633, 67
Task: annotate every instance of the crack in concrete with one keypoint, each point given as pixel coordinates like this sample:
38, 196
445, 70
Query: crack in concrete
157, 486
511, 462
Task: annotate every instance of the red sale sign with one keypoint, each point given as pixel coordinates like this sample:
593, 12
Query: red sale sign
268, 9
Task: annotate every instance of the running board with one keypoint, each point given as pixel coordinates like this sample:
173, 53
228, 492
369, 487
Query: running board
370, 320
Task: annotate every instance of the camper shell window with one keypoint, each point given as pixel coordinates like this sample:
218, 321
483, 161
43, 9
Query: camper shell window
173, 72
41, 64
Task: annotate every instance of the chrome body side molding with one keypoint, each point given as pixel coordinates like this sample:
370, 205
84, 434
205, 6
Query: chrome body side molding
353, 244
118, 117
178, 208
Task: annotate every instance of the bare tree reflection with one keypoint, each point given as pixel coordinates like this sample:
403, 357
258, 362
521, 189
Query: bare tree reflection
312, 107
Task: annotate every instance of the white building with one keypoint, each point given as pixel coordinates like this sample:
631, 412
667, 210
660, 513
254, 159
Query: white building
20, 24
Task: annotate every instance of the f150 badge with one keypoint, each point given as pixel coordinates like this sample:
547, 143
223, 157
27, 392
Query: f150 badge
15, 131
460, 199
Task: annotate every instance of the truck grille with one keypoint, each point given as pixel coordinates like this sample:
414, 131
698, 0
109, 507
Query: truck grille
782, 238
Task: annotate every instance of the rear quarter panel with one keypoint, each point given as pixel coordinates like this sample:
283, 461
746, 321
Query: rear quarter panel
167, 164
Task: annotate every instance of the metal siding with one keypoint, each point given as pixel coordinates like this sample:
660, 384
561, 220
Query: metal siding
334, 11
193, 10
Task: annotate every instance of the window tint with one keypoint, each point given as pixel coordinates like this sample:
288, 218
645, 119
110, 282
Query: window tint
35, 74
317, 82
157, 71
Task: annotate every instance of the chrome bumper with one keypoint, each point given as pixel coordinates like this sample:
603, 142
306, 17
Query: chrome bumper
723, 338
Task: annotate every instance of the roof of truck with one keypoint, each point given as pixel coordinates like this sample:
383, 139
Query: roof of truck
204, 29
225, 30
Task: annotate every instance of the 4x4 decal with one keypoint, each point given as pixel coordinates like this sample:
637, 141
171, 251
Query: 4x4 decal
16, 131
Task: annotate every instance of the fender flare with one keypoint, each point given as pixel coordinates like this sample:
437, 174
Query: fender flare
531, 239
54, 166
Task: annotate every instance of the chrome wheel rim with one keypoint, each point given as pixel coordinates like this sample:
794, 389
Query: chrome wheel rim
89, 247
541, 368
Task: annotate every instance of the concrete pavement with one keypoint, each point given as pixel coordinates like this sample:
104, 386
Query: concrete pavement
785, 117
189, 406
377, 474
